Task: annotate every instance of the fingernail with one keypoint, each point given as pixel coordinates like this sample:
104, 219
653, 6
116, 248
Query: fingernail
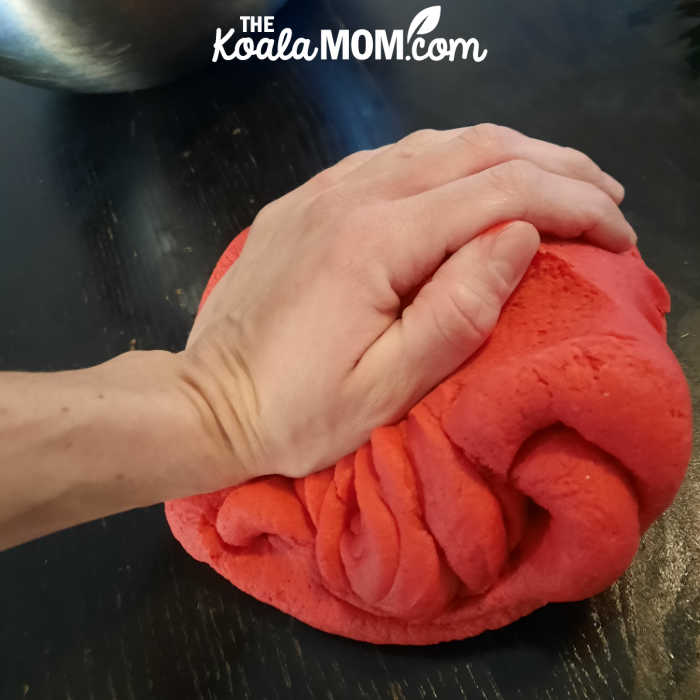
513, 250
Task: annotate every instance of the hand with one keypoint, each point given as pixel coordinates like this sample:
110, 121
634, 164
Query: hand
362, 289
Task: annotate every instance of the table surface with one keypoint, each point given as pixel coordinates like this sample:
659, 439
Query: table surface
113, 210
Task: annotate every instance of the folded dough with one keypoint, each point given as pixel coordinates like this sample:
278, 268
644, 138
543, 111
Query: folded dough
525, 477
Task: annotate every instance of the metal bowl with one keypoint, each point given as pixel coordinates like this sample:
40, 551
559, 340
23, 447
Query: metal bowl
113, 45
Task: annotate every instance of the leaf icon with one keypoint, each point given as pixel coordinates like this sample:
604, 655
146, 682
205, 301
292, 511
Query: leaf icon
424, 22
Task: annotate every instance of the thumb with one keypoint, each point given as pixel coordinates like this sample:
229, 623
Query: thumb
448, 320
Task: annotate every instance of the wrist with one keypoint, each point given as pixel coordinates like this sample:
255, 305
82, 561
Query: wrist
176, 443
83, 444
213, 378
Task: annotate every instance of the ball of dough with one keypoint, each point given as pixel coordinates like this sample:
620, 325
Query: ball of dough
526, 477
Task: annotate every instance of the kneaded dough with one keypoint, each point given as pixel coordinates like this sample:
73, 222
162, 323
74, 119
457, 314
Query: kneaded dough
526, 477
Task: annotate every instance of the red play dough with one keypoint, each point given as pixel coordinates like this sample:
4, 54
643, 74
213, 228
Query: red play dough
525, 477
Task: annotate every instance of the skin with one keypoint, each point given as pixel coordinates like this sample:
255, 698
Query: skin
355, 295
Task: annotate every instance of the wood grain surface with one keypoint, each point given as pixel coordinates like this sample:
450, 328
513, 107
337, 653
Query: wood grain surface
114, 209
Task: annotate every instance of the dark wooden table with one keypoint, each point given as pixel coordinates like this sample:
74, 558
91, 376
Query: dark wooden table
113, 211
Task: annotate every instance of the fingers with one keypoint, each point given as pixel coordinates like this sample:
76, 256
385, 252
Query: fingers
428, 159
562, 206
449, 319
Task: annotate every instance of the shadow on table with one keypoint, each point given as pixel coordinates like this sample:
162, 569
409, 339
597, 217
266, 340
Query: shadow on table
151, 186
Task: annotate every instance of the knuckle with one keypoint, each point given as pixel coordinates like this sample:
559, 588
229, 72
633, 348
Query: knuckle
514, 176
499, 287
596, 199
521, 169
580, 161
595, 206
488, 135
420, 136
600, 201
411, 145
323, 180
478, 309
268, 213
405, 151
356, 158
468, 316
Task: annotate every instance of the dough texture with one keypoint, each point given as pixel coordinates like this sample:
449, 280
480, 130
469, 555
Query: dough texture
526, 477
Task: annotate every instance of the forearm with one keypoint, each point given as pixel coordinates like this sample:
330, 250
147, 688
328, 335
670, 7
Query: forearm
83, 444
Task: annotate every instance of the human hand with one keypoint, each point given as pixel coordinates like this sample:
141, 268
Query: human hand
362, 289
